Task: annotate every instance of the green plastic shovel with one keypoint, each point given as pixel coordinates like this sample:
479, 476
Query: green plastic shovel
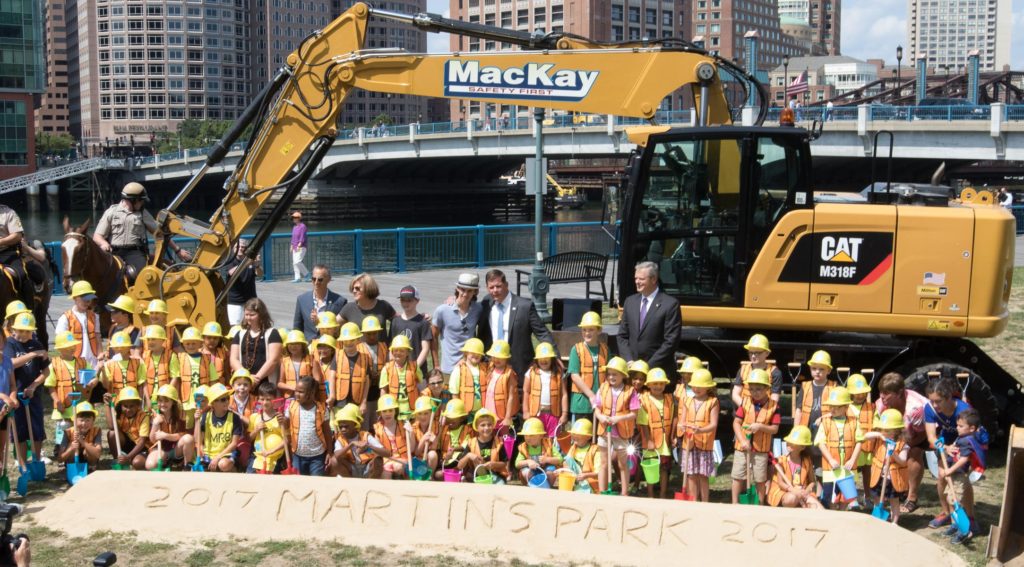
750, 497
117, 466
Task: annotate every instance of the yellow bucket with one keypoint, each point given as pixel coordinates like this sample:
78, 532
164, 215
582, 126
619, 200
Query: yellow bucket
566, 480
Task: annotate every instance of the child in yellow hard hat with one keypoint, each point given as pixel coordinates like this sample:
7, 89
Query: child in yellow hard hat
544, 391
355, 369
357, 454
638, 370
811, 393
754, 424
583, 452
689, 365
326, 349
327, 324
28, 357
296, 361
656, 419
697, 425
758, 351
124, 369
82, 440
373, 338
63, 382
191, 369
485, 451
13, 309
838, 438
794, 484
401, 376
616, 407
132, 426
157, 359
862, 410
468, 374
587, 361
424, 430
392, 436
83, 322
243, 400
499, 391
156, 312
537, 453
889, 453
308, 430
221, 430
122, 320
171, 441
266, 432
213, 347
453, 435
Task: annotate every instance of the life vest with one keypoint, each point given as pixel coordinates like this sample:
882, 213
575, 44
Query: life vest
287, 377
394, 384
546, 450
397, 444
658, 422
762, 440
467, 389
360, 376
246, 410
187, 375
840, 445
586, 463
67, 381
746, 368
157, 374
219, 357
804, 479
807, 401
445, 437
625, 428
587, 366
532, 383
293, 424
216, 438
364, 456
699, 417
504, 405
119, 377
897, 472
132, 428
93, 335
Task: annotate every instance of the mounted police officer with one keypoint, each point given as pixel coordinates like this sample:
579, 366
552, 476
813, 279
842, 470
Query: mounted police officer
11, 239
122, 230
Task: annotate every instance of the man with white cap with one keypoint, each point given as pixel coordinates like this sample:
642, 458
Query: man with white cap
455, 324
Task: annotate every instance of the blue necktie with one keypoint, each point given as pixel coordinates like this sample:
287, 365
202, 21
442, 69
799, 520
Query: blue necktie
501, 321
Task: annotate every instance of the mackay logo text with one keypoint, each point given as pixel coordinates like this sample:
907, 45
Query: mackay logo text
531, 81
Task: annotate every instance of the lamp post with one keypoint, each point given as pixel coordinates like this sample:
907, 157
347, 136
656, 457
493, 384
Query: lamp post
899, 86
785, 81
539, 283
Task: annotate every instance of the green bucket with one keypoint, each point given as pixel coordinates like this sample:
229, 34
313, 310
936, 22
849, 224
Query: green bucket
651, 465
486, 478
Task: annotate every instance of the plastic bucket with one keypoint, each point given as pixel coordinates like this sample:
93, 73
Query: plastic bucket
510, 444
539, 480
847, 486
486, 478
564, 442
651, 465
566, 480
420, 470
86, 376
452, 475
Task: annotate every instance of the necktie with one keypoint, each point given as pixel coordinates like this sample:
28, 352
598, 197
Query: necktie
501, 321
643, 312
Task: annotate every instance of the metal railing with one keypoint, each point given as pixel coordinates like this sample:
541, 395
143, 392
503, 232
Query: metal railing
44, 176
879, 112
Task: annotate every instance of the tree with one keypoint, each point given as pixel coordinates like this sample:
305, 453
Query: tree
193, 133
49, 143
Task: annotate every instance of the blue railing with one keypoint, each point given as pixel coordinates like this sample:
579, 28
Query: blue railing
878, 112
413, 249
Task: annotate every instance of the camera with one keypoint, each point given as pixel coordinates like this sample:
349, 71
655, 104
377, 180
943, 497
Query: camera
8, 543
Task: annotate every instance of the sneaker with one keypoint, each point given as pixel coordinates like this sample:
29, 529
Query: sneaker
939, 521
960, 539
296, 280
951, 531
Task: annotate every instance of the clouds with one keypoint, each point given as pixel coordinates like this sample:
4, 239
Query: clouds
438, 42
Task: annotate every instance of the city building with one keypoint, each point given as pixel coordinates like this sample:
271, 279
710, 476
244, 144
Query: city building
21, 77
947, 31
722, 24
827, 77
278, 26
51, 110
822, 19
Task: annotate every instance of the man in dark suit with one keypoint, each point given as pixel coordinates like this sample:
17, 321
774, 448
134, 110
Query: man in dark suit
651, 324
511, 318
309, 305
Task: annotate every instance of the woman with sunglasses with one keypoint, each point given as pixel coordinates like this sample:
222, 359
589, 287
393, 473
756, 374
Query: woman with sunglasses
365, 291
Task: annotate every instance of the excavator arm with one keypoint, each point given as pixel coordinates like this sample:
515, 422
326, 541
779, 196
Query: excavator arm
294, 119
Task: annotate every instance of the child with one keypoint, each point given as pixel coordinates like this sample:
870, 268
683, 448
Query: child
157, 313
392, 437
617, 404
221, 430
170, 437
657, 423
544, 391
587, 361
414, 326
485, 450
83, 323
969, 443
355, 370
327, 324
537, 454
124, 369
296, 361
308, 429
757, 350
122, 314
453, 435
132, 427
690, 365
499, 391
191, 369
242, 401
83, 440
438, 394
157, 359
812, 392
378, 349
14, 308
582, 452
401, 377
326, 348
29, 360
838, 438
862, 410
698, 422
638, 370
213, 347
357, 454
756, 421
62, 381
889, 454
793, 482
423, 436
266, 433
468, 374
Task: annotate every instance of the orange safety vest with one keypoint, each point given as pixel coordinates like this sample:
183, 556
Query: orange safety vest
118, 380
219, 357
446, 438
382, 354
287, 376
624, 428
546, 450
365, 456
467, 393
66, 381
185, 374
157, 374
762, 441
657, 422
392, 371
897, 472
172, 332
835, 441
89, 437
359, 380
807, 401
745, 369
586, 463
76, 328
532, 386
699, 417
805, 479
417, 436
503, 404
293, 423
587, 366
132, 427
246, 410
866, 421
397, 444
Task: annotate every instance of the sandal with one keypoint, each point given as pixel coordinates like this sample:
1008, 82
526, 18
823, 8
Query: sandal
908, 507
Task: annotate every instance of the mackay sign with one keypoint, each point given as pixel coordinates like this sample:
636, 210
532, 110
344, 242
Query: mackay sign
540, 81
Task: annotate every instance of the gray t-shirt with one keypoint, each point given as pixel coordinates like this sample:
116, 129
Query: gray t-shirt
382, 310
416, 330
455, 330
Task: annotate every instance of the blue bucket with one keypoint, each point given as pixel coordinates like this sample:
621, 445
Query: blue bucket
539, 480
847, 485
420, 469
86, 376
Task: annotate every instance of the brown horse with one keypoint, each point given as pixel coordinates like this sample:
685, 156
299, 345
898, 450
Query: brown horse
40, 303
84, 260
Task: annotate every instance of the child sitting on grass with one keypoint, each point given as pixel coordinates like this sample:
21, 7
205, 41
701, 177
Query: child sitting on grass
83, 440
221, 431
537, 454
132, 426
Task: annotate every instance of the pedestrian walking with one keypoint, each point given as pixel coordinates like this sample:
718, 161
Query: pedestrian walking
299, 244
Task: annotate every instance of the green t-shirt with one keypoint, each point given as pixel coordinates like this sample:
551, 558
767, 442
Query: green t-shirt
578, 403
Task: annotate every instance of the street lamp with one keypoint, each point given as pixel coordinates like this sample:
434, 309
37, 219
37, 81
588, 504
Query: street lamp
899, 86
539, 282
785, 81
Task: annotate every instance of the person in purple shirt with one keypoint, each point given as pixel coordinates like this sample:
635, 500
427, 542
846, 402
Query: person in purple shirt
299, 244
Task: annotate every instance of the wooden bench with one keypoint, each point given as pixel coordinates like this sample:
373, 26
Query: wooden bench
569, 267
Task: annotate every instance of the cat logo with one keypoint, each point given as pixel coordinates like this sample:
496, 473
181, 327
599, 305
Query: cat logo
841, 249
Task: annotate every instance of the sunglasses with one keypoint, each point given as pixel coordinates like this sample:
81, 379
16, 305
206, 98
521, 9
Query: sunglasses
357, 288
435, 383
318, 280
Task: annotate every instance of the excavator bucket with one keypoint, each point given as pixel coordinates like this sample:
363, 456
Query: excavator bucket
1006, 540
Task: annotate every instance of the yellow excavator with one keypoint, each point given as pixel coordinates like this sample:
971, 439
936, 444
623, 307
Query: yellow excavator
891, 279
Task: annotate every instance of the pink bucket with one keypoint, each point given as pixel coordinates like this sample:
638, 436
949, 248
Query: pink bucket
510, 443
452, 475
550, 423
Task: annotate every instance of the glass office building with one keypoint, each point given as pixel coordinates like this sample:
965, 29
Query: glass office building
21, 76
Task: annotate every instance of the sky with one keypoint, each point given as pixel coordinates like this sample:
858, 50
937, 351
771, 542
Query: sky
871, 29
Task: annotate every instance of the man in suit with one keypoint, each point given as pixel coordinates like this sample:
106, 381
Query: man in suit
651, 324
511, 318
309, 305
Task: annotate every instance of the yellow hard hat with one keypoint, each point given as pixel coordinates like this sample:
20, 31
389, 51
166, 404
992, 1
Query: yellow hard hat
272, 440
241, 373
821, 358
371, 324
216, 392
475, 346
401, 342
327, 320
758, 342
155, 332
387, 402
533, 426
201, 391
123, 303
617, 364
544, 350
423, 404
890, 419
191, 334
121, 339
213, 329
350, 332
295, 337
67, 339
327, 341
169, 392
82, 288
500, 349
156, 306
800, 435
24, 322
639, 366
455, 409
15, 308
691, 364
482, 413
839, 396
128, 394
657, 376
590, 319
349, 413
582, 426
84, 407
702, 379
858, 384
759, 376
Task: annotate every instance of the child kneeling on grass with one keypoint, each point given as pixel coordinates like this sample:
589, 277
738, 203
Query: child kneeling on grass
132, 426
357, 454
83, 440
221, 431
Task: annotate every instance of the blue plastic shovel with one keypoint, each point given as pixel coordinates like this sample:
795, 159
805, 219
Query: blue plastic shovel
23, 474
36, 467
198, 465
76, 471
959, 515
